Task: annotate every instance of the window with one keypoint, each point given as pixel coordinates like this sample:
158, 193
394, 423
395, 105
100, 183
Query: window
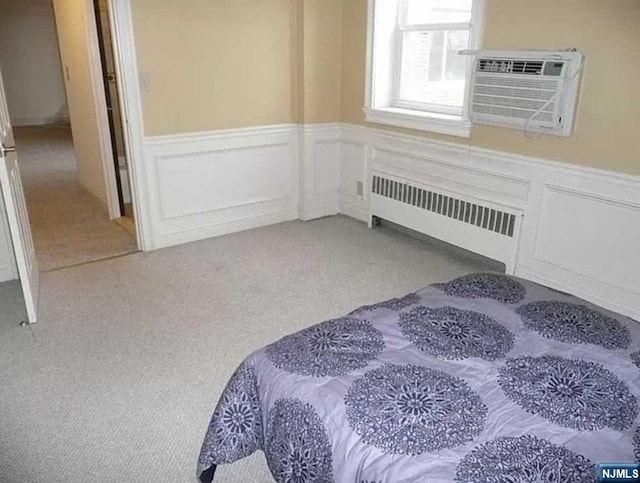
417, 78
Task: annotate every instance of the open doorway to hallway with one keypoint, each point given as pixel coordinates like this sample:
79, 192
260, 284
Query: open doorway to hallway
70, 225
63, 101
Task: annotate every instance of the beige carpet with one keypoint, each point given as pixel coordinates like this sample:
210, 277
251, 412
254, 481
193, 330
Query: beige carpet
69, 225
118, 380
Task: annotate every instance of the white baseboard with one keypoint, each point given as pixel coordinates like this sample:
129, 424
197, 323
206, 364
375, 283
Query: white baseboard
226, 225
7, 273
354, 207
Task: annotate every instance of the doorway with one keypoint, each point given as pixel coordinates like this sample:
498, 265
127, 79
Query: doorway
62, 89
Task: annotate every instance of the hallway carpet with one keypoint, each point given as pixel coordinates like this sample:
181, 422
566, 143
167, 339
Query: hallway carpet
69, 225
118, 380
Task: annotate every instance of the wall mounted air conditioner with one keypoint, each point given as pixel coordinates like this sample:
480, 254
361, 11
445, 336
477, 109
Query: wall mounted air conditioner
535, 91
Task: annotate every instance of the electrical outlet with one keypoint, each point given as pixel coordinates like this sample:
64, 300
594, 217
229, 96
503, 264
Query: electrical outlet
360, 188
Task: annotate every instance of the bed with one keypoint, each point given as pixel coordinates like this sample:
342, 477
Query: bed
484, 378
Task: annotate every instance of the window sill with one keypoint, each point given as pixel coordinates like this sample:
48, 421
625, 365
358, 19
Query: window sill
431, 122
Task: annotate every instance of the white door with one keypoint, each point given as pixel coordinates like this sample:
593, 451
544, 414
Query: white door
16, 208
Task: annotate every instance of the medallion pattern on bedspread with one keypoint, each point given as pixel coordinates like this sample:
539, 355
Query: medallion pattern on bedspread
572, 393
333, 348
524, 460
411, 410
574, 323
636, 444
452, 333
635, 357
485, 286
236, 426
392, 304
297, 446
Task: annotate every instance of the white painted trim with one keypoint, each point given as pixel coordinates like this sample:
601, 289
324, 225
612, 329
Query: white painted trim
419, 120
219, 135
498, 160
354, 207
102, 116
368, 77
211, 230
476, 39
123, 38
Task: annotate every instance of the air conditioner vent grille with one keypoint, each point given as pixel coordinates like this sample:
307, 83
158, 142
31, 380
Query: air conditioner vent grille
507, 66
484, 217
515, 93
533, 105
545, 116
517, 82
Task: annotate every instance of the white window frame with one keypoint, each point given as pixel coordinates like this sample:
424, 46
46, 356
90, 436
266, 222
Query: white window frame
384, 53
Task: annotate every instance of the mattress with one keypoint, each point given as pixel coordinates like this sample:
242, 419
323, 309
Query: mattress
483, 378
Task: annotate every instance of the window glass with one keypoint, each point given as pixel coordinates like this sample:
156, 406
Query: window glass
438, 11
432, 71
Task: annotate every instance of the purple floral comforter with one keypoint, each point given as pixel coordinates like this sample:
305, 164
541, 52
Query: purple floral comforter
485, 378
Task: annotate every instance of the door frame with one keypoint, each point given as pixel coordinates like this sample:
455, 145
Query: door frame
130, 99
100, 108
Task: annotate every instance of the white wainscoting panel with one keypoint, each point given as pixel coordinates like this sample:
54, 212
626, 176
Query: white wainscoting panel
209, 184
354, 186
320, 156
221, 179
574, 225
587, 242
580, 229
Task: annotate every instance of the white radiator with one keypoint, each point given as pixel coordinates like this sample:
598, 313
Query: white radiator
479, 226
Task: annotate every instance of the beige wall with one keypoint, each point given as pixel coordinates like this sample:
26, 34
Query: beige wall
30, 63
216, 64
72, 18
607, 31
321, 45
225, 64
221, 64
